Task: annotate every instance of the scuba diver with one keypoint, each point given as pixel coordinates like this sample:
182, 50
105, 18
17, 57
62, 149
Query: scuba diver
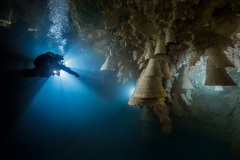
48, 64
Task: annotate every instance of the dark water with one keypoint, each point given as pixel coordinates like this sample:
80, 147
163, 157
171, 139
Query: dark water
65, 118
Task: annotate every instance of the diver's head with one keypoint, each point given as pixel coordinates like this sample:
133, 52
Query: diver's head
59, 59
50, 53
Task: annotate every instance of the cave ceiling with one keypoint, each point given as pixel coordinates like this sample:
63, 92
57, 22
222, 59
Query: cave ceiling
124, 26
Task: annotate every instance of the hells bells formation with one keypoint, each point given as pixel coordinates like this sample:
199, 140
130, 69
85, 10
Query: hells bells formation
183, 55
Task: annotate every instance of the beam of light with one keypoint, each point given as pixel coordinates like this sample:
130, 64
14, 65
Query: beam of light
62, 99
81, 63
66, 99
126, 90
58, 12
131, 90
82, 60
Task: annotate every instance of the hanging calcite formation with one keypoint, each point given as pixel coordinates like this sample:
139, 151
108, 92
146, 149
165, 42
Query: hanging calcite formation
217, 60
170, 36
141, 63
149, 50
186, 83
6, 15
163, 115
150, 103
217, 76
150, 83
194, 57
150, 93
160, 53
125, 72
182, 86
135, 21
109, 63
160, 48
136, 54
149, 90
178, 11
123, 75
165, 69
218, 57
237, 63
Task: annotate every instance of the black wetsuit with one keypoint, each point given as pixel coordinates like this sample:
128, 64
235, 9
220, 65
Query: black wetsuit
48, 64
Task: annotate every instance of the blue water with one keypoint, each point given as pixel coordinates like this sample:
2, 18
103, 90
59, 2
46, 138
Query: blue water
89, 120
